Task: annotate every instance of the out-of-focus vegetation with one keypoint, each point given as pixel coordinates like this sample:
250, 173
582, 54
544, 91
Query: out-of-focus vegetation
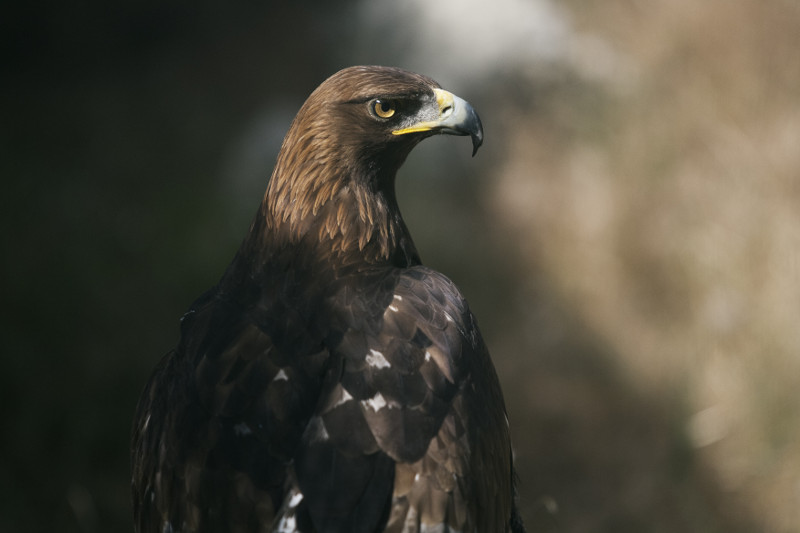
629, 235
662, 206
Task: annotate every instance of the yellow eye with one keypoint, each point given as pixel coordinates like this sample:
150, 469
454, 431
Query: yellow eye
383, 108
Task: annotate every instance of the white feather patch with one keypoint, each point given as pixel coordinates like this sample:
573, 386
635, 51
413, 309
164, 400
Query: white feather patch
377, 360
346, 397
377, 402
287, 524
297, 497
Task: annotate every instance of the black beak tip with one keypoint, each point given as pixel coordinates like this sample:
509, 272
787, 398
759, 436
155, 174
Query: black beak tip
476, 134
477, 141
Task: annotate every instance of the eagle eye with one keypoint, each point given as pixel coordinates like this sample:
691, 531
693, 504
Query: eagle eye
384, 108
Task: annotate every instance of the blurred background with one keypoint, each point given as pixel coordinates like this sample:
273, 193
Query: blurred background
628, 236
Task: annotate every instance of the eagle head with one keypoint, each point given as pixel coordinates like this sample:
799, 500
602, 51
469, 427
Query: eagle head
335, 172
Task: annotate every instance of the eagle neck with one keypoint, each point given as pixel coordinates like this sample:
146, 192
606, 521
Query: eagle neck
344, 217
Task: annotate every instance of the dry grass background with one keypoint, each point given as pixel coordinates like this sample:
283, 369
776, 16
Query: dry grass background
658, 193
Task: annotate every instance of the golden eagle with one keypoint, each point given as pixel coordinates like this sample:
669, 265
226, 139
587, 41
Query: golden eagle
330, 382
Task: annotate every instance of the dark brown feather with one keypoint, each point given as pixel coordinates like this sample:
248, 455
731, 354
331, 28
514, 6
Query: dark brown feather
329, 382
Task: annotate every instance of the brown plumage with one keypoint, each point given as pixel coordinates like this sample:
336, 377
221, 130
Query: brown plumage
330, 382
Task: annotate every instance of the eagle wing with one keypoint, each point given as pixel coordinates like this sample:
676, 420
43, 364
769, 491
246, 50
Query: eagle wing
391, 439
219, 420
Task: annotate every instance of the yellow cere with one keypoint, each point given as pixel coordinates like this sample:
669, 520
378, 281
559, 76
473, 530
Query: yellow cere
444, 99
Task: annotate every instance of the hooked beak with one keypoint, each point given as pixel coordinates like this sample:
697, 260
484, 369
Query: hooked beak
453, 116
